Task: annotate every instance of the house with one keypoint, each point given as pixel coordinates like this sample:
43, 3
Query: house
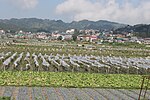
147, 40
54, 36
66, 36
133, 39
71, 31
2, 31
91, 31
41, 35
87, 38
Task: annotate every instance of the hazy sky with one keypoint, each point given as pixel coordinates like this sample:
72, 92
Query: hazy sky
123, 11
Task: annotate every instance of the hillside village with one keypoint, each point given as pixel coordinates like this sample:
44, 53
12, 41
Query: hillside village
88, 35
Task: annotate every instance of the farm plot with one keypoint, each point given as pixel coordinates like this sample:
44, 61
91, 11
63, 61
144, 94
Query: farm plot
67, 49
27, 61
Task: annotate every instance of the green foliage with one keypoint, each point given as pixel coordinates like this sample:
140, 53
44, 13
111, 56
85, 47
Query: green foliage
140, 30
61, 79
128, 45
60, 38
5, 98
74, 36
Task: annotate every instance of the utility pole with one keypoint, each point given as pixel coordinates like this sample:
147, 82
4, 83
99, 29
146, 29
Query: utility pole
146, 87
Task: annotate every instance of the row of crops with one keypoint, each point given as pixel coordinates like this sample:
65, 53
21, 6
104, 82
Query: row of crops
24, 61
123, 52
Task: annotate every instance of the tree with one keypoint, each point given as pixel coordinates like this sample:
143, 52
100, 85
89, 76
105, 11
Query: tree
60, 38
74, 36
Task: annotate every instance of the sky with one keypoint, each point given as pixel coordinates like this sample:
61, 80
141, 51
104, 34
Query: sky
122, 11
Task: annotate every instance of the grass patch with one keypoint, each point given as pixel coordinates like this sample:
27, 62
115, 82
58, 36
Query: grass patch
62, 79
5, 98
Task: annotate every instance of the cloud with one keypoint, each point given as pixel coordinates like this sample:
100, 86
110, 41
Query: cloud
125, 11
25, 4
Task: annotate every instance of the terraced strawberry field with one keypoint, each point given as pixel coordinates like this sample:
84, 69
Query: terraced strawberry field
74, 68
26, 61
63, 79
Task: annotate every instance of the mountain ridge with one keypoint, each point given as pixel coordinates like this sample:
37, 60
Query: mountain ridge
35, 24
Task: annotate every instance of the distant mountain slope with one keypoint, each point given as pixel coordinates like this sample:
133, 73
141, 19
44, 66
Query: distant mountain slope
100, 25
141, 30
34, 24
